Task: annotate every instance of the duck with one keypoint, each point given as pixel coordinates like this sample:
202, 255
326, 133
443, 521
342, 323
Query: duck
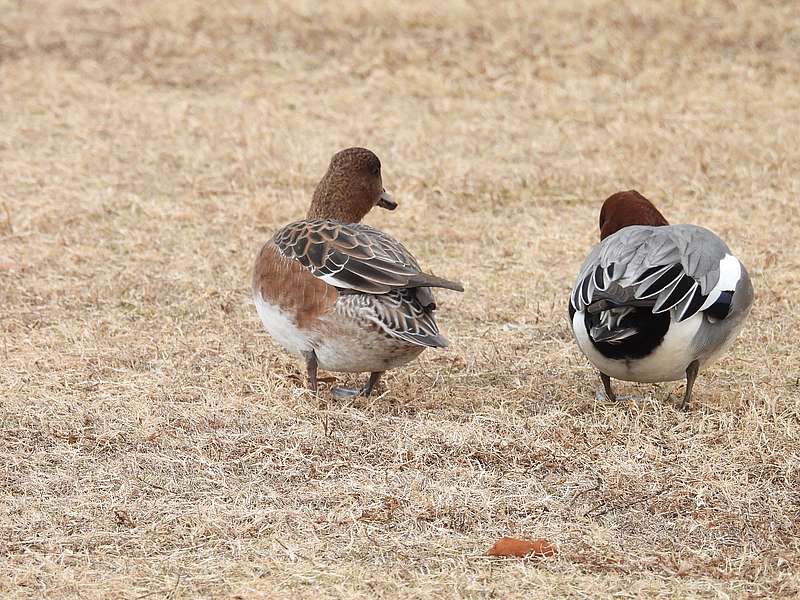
344, 295
655, 302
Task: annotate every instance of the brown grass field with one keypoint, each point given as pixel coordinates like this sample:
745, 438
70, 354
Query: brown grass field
155, 442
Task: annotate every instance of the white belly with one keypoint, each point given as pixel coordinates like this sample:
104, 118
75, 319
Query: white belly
281, 326
343, 343
667, 362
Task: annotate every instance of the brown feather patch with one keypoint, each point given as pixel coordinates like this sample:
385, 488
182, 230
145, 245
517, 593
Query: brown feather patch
285, 283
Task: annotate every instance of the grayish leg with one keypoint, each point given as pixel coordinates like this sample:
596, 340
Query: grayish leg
691, 375
607, 386
311, 369
373, 379
343, 392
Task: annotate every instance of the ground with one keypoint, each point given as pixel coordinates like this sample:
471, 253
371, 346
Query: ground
155, 442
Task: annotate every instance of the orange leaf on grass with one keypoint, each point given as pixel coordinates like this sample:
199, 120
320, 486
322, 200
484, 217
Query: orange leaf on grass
508, 546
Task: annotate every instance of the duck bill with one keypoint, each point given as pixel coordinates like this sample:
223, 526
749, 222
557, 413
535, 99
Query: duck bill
386, 201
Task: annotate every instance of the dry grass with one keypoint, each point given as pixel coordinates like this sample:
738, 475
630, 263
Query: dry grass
155, 442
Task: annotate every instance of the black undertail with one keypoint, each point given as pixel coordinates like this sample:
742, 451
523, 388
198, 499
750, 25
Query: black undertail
650, 331
720, 309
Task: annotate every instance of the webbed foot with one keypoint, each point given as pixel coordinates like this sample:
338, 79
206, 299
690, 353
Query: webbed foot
344, 392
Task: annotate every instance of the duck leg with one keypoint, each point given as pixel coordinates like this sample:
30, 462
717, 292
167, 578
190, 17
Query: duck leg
373, 379
607, 386
691, 375
609, 394
311, 369
343, 392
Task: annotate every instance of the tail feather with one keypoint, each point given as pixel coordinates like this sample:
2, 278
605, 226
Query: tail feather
430, 341
606, 304
426, 280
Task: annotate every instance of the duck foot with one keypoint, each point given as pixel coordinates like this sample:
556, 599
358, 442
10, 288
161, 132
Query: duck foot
601, 396
607, 394
344, 392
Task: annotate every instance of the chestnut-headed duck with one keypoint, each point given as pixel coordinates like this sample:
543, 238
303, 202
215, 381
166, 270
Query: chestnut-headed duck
656, 302
347, 296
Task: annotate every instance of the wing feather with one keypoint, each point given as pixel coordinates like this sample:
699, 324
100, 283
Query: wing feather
674, 268
353, 256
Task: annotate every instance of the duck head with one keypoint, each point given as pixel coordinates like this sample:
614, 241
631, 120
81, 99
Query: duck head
628, 208
350, 188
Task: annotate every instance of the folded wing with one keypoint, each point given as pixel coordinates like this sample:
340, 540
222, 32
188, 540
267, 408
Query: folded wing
682, 268
374, 274
354, 256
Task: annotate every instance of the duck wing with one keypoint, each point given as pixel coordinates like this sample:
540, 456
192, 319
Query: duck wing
355, 257
681, 268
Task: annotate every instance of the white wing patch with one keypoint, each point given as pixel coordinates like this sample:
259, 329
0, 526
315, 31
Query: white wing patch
730, 272
331, 280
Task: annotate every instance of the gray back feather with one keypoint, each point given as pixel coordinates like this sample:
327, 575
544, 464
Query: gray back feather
667, 268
